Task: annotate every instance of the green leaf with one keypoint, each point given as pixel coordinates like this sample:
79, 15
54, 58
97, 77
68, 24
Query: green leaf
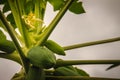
6, 7
10, 18
77, 7
57, 4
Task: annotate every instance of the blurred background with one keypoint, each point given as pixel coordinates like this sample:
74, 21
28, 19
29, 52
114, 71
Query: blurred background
101, 21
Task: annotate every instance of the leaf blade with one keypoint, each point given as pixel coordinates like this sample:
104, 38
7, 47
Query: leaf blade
77, 7
57, 4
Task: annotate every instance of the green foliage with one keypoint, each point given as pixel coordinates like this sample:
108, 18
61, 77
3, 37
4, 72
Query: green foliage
41, 57
6, 7
57, 4
10, 18
76, 7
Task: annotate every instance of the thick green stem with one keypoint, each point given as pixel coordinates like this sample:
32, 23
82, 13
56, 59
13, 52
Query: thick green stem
77, 78
16, 43
35, 73
91, 43
52, 25
85, 62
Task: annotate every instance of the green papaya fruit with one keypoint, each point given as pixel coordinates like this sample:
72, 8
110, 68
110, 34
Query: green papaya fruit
65, 71
81, 72
41, 57
53, 46
7, 46
69, 71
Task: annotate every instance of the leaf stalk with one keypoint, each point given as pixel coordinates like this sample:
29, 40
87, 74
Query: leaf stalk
85, 62
77, 78
91, 43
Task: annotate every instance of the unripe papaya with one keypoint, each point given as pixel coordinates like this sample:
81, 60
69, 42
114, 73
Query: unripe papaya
69, 71
65, 71
41, 57
54, 47
81, 72
7, 46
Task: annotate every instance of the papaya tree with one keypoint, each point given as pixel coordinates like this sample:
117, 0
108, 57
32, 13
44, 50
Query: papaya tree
30, 46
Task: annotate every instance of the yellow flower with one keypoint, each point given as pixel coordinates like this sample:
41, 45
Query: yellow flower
31, 20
